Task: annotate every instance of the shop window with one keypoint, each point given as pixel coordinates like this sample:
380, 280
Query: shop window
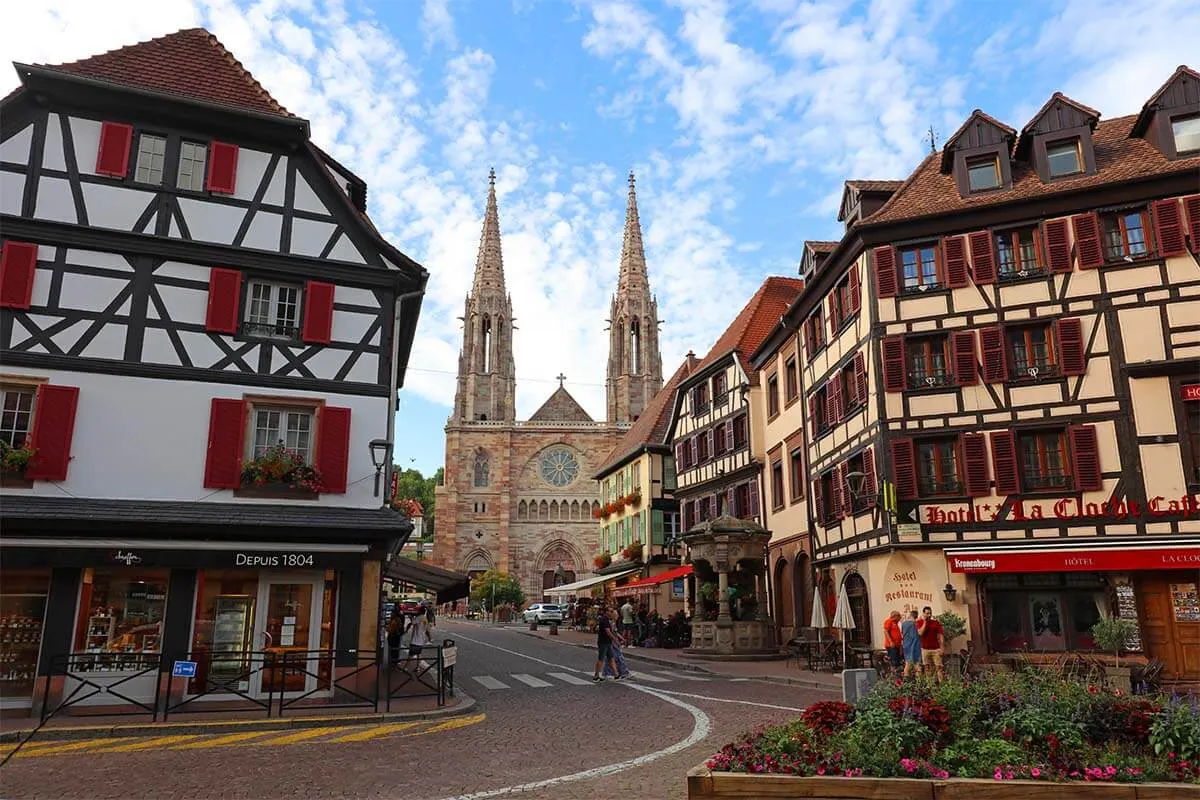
1019, 254
1125, 234
121, 611
1044, 611
1044, 460
921, 268
937, 467
22, 609
928, 359
1191, 418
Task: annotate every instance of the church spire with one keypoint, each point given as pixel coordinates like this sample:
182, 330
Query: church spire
489, 264
634, 363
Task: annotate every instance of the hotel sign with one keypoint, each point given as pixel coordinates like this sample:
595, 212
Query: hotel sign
1190, 391
1097, 560
1068, 508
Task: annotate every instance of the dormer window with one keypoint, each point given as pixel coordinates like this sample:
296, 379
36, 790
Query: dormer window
1063, 158
1170, 119
983, 173
1186, 133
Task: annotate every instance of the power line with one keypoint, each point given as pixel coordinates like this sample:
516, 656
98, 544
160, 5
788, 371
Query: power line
519, 378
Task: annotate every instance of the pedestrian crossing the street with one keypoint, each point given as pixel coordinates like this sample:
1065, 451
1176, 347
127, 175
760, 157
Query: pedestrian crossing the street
521, 680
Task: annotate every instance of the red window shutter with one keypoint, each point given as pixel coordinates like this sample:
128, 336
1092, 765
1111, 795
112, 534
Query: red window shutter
966, 370
712, 442
226, 435
18, 265
1085, 455
222, 167
851, 382
893, 364
112, 159
224, 299
680, 456
694, 454
855, 290
954, 252
818, 500
729, 436
975, 467
1072, 355
869, 482
1191, 204
884, 259
318, 312
1058, 246
860, 376
1087, 240
904, 468
1004, 463
983, 261
333, 448
812, 416
833, 402
731, 501
53, 428
834, 322
1168, 225
995, 359
810, 341
838, 485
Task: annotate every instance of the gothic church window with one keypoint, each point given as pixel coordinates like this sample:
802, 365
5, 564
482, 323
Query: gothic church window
553, 509
544, 511
635, 341
487, 344
575, 509
523, 510
481, 469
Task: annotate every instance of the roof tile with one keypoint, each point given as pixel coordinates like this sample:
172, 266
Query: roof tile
190, 63
755, 321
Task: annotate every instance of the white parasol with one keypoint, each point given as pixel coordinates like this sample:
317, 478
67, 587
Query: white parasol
819, 618
843, 618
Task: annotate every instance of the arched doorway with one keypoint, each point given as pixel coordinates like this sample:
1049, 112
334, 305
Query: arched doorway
785, 607
802, 591
860, 608
557, 564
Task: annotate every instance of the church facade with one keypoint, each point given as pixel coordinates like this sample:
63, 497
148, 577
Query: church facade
518, 494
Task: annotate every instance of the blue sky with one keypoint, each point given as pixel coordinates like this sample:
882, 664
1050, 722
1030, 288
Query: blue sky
741, 120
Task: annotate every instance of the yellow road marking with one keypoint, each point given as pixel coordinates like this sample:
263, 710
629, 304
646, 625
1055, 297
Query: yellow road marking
149, 744
54, 748
221, 741
375, 731
451, 724
302, 736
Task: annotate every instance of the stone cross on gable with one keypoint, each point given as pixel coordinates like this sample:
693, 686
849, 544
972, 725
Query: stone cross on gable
561, 378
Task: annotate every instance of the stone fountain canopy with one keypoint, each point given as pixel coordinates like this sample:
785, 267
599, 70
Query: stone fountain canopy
726, 540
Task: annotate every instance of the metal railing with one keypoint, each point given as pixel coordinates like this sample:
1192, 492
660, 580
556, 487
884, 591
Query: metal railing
233, 683
111, 676
419, 675
347, 690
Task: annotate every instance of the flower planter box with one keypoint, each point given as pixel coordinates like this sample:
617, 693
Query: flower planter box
15, 480
275, 491
704, 783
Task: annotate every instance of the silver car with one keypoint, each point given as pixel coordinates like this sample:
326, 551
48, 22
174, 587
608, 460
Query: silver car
544, 612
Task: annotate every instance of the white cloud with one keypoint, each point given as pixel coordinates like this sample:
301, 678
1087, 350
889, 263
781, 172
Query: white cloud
437, 24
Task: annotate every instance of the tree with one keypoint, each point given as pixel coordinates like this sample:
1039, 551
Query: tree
494, 588
412, 485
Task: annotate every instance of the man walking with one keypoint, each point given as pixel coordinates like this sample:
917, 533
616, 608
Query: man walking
893, 642
627, 622
605, 636
932, 642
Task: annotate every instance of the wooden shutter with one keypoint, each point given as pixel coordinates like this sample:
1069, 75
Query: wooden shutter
53, 428
224, 299
886, 284
729, 436
18, 265
818, 500
966, 371
975, 467
812, 416
226, 436
855, 288
1058, 246
731, 501
318, 312
694, 455
860, 376
983, 261
893, 364
753, 499
681, 455
869, 482
851, 388
712, 442
1072, 355
954, 253
833, 401
333, 448
112, 158
834, 320
222, 167
1191, 204
839, 492
995, 359
1004, 463
1168, 227
1087, 240
1085, 456
810, 339
904, 468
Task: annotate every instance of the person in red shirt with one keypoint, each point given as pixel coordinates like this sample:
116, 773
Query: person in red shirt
893, 641
932, 641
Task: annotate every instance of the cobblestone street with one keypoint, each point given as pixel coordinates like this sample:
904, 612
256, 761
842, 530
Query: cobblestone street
539, 729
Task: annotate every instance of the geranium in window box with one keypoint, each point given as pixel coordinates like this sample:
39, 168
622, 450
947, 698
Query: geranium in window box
279, 471
13, 461
408, 507
612, 508
599, 513
632, 552
602, 560
634, 497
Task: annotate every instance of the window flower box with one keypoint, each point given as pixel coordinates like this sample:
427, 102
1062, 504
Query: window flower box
602, 560
632, 552
279, 472
634, 498
13, 461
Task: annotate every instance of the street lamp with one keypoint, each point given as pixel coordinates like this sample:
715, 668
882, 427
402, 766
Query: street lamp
381, 454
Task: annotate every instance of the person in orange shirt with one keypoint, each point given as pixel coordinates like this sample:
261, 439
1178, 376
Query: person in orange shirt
893, 641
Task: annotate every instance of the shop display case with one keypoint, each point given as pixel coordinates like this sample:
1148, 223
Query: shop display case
20, 642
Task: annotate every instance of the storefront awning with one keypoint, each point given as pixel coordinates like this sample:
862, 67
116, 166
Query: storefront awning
650, 585
568, 589
1126, 556
447, 584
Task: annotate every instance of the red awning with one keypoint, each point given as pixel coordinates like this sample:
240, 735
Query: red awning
651, 584
1082, 558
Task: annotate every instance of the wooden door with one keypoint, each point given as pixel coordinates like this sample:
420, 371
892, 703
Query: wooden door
1175, 641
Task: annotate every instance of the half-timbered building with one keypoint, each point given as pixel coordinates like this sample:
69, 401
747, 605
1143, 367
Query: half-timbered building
203, 336
1002, 425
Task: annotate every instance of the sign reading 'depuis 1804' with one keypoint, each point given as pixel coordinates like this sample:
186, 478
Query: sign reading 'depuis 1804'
273, 559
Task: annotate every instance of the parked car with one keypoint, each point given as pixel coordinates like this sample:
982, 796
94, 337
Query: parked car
410, 607
544, 612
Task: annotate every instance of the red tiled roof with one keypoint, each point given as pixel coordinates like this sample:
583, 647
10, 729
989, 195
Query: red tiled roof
1148, 108
1087, 111
755, 322
1118, 158
874, 186
190, 63
977, 114
822, 246
651, 426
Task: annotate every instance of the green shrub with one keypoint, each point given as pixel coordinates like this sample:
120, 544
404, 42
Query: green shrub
1113, 634
978, 758
1176, 729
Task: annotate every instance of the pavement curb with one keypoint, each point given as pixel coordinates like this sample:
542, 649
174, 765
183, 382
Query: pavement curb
81, 732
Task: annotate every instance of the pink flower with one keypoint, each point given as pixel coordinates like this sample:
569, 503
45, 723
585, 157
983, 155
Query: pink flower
998, 775
1035, 772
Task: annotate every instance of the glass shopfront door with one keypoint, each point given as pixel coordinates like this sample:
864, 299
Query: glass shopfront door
288, 627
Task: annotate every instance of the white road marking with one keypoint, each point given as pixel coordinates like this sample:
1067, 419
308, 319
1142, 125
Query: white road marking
728, 700
739, 680
488, 682
529, 680
645, 676
567, 678
682, 675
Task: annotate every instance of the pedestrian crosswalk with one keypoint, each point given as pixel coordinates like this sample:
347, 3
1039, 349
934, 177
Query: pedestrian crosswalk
522, 680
